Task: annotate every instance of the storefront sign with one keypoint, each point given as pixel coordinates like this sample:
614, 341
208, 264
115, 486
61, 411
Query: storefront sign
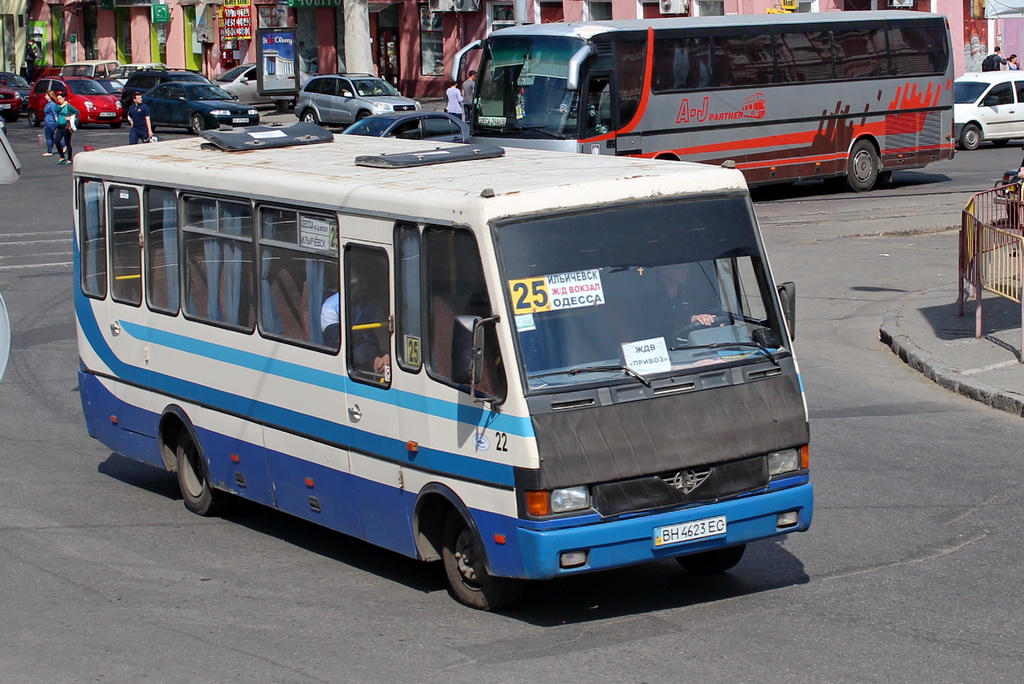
236, 20
161, 14
315, 3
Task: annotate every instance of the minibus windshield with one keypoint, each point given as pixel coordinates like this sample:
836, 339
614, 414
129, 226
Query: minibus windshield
635, 293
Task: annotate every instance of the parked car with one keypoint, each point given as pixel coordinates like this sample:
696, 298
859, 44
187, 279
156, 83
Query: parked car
344, 98
437, 126
92, 68
143, 80
197, 107
985, 107
94, 104
241, 82
112, 86
125, 70
10, 104
19, 84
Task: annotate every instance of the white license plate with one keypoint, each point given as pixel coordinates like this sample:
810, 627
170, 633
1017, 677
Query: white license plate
107, 115
240, 119
5, 106
689, 531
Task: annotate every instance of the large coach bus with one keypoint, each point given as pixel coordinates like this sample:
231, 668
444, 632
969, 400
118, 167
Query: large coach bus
845, 95
522, 364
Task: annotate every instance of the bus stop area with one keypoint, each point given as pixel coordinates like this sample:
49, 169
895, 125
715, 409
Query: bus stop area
967, 335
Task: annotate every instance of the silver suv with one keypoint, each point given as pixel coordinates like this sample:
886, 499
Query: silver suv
344, 98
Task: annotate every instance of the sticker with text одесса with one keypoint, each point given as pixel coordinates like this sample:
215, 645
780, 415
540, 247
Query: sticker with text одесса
556, 291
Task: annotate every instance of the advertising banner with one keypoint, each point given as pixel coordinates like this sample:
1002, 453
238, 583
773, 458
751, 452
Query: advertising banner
236, 20
277, 69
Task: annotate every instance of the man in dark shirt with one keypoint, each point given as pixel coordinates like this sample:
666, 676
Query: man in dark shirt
139, 118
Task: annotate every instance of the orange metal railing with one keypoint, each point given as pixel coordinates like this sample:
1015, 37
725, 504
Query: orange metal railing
992, 249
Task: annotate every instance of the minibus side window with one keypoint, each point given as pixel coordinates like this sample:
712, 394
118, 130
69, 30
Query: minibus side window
92, 221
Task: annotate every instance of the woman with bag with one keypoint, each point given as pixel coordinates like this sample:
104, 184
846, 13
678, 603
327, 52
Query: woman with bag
50, 122
66, 116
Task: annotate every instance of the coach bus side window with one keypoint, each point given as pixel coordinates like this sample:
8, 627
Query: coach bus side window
92, 220
456, 286
126, 261
218, 261
747, 59
630, 64
409, 300
803, 56
366, 316
298, 273
860, 53
918, 50
161, 246
682, 64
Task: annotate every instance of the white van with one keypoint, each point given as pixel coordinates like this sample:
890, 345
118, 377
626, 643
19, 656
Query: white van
988, 106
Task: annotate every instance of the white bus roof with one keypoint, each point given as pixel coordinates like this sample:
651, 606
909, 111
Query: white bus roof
326, 175
589, 29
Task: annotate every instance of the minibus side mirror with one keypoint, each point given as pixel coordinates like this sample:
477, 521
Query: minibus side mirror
467, 350
787, 297
991, 101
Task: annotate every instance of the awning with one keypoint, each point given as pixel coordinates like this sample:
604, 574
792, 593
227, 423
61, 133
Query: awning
13, 6
1004, 8
77, 4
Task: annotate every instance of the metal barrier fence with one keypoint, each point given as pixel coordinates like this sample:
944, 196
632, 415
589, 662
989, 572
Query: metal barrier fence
992, 249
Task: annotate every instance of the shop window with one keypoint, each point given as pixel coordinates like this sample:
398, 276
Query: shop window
431, 43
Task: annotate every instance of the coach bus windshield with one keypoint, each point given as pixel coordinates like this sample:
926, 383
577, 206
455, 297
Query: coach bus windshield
660, 289
522, 87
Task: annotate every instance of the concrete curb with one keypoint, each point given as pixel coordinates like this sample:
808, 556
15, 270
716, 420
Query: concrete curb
893, 335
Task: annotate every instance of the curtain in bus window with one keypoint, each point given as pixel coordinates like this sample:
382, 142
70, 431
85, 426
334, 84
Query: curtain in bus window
860, 53
918, 50
94, 240
802, 56
274, 225
682, 64
162, 250
630, 62
220, 264
744, 60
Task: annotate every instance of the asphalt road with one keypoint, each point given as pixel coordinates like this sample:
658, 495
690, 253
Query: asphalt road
910, 572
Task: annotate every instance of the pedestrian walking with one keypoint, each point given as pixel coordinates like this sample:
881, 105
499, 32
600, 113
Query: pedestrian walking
32, 55
995, 61
49, 122
468, 93
454, 96
67, 117
140, 120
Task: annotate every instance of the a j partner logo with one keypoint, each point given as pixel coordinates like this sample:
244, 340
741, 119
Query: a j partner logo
753, 108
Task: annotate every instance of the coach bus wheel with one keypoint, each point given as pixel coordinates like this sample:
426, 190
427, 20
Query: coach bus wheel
970, 137
713, 562
194, 478
863, 167
471, 584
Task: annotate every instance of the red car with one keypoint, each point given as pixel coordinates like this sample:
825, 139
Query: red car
94, 103
10, 104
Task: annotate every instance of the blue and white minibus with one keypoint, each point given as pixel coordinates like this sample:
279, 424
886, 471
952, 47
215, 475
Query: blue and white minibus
522, 364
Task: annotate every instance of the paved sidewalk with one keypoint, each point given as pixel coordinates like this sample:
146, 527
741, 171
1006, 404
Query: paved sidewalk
924, 330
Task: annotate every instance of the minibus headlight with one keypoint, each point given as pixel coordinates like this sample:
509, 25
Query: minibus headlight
570, 499
780, 462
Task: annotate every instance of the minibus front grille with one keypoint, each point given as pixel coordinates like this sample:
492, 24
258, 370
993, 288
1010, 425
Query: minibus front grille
704, 484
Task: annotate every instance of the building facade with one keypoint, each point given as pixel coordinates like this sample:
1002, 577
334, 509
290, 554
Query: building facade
412, 44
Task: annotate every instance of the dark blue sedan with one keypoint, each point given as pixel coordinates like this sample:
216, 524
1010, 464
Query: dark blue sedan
197, 107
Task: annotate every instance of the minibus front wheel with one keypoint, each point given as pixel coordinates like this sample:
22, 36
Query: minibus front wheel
194, 478
465, 564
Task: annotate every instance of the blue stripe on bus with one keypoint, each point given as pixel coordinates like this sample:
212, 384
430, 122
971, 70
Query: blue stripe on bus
439, 408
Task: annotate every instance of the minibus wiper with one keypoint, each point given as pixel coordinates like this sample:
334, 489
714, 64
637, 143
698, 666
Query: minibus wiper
594, 369
542, 129
725, 345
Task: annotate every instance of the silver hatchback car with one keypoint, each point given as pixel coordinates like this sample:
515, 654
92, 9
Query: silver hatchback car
343, 98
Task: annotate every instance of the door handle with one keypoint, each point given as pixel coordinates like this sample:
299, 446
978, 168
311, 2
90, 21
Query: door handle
354, 414
115, 328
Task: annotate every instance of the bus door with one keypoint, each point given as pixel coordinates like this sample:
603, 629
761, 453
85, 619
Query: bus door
126, 322
366, 323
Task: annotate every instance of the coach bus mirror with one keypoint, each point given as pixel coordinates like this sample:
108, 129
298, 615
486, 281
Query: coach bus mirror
787, 296
467, 350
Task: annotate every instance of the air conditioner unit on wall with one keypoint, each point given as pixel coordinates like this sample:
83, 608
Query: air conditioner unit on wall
466, 5
674, 6
442, 5
906, 4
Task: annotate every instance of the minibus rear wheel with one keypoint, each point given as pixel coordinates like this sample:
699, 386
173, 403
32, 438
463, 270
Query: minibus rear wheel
465, 567
713, 562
